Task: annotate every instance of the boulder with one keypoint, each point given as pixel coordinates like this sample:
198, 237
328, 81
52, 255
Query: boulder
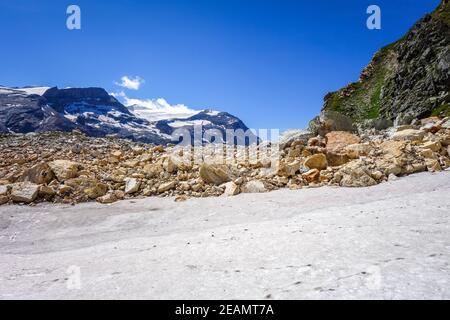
432, 120
169, 165
96, 190
152, 170
64, 169
445, 124
4, 190
316, 161
355, 151
65, 190
132, 185
326, 175
166, 186
25, 192
131, 163
434, 146
107, 198
354, 174
409, 135
330, 121
231, 189
338, 140
312, 175
38, 174
428, 154
392, 177
215, 173
88, 186
117, 154
46, 191
337, 159
254, 186
393, 157
120, 195
3, 200
431, 127
288, 169
433, 165
393, 149
181, 198
377, 175
175, 163
289, 137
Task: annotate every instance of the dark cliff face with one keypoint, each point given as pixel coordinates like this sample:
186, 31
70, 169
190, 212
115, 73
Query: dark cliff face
421, 81
407, 80
20, 112
60, 99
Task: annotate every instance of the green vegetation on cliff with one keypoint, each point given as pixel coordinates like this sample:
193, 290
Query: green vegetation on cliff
361, 100
443, 12
408, 78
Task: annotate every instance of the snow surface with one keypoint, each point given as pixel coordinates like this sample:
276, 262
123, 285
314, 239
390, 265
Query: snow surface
389, 241
5, 90
179, 124
27, 90
34, 90
213, 113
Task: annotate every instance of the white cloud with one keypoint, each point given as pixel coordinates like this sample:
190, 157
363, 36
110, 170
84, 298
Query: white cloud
131, 83
119, 94
158, 109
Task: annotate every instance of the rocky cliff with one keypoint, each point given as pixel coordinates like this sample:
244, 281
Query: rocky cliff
406, 80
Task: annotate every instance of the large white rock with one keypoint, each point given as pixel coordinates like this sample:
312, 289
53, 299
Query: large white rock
24, 192
409, 134
3, 190
131, 185
254, 186
231, 189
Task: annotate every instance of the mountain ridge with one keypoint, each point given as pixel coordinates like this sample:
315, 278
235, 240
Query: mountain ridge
96, 113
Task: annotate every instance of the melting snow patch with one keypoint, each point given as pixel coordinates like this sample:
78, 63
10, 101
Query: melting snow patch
179, 124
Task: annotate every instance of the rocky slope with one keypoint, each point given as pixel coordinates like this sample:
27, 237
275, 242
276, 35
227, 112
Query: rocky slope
96, 113
71, 167
406, 80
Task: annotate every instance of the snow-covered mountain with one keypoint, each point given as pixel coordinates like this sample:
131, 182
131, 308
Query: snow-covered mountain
97, 113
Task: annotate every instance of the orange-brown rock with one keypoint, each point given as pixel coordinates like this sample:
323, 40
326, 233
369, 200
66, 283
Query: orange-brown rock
337, 141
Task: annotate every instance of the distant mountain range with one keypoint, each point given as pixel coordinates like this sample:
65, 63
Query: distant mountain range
96, 113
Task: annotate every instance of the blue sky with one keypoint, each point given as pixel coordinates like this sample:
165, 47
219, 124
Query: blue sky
268, 62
